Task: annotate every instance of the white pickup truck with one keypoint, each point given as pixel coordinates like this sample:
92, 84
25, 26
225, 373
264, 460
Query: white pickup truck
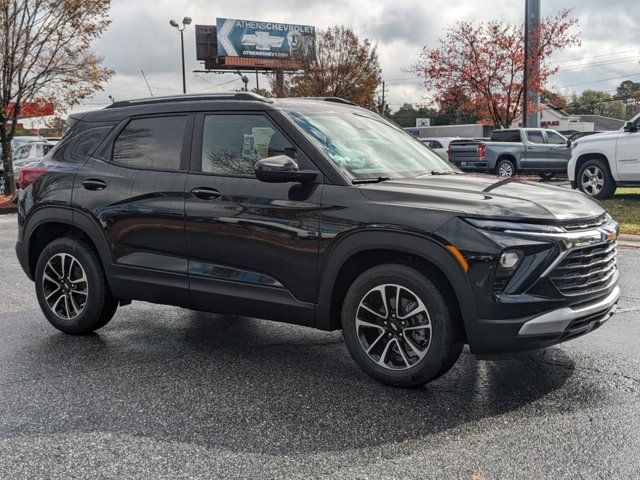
601, 163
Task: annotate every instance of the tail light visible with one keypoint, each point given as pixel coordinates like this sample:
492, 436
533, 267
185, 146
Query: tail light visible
481, 150
28, 175
448, 153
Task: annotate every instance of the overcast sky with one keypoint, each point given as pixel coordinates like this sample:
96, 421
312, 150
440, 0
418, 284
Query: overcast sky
140, 38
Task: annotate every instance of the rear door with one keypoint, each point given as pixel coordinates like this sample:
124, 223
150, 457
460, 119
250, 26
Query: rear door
133, 189
253, 246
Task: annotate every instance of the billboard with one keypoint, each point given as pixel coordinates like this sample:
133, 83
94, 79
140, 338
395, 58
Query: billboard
423, 122
266, 40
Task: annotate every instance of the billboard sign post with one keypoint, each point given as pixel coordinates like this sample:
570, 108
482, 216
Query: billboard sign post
265, 40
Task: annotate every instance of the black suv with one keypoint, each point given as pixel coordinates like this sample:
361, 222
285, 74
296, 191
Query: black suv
313, 212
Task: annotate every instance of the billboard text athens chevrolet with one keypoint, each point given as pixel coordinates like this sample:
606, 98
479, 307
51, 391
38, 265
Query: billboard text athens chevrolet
247, 38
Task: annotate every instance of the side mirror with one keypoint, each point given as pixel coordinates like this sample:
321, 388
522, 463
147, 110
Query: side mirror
282, 169
630, 127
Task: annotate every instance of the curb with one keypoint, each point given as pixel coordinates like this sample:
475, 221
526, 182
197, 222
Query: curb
7, 210
632, 241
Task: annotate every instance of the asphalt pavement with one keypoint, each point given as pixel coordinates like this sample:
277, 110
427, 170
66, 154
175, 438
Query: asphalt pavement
163, 392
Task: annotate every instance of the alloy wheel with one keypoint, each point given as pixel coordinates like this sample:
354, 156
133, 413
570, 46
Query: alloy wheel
393, 327
65, 286
592, 180
505, 170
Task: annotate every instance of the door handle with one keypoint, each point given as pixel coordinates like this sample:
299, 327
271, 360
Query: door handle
94, 184
206, 193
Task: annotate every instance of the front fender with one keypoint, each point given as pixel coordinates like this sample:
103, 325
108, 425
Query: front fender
427, 248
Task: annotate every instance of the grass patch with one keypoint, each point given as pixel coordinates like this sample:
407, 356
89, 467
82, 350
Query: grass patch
624, 207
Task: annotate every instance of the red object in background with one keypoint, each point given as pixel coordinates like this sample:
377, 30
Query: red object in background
32, 109
28, 175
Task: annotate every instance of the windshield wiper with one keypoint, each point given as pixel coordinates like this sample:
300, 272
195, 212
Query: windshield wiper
435, 172
357, 181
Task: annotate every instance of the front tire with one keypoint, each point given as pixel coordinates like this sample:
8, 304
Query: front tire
398, 326
71, 287
594, 179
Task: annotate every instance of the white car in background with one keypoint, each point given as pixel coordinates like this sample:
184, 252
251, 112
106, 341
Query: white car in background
440, 145
601, 163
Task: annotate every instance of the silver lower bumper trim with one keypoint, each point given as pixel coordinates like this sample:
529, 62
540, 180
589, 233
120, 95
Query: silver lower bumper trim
558, 320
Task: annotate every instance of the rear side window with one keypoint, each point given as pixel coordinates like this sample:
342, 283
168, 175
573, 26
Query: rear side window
77, 148
535, 136
232, 144
151, 143
434, 144
509, 136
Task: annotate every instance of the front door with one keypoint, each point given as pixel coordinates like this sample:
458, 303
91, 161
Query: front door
628, 156
537, 151
253, 246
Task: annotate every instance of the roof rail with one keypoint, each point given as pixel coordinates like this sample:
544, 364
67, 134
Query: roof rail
246, 96
332, 99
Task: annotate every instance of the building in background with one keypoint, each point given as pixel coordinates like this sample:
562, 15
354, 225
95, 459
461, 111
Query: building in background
557, 119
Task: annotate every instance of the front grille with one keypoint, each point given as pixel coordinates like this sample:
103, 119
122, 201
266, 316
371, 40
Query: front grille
586, 270
586, 224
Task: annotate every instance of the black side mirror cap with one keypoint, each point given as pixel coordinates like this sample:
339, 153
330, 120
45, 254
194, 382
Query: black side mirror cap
630, 127
282, 169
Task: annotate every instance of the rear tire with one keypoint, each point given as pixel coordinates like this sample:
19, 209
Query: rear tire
594, 179
408, 341
506, 168
71, 287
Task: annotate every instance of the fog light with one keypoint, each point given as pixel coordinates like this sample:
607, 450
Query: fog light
508, 260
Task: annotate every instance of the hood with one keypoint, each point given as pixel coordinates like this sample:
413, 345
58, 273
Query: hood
598, 137
487, 196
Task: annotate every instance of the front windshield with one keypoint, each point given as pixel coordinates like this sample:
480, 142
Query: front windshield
367, 148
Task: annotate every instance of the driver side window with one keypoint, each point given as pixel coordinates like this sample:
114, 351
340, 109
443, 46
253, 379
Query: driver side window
232, 144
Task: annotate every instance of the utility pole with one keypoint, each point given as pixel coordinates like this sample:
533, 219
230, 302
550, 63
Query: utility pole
383, 99
279, 90
531, 62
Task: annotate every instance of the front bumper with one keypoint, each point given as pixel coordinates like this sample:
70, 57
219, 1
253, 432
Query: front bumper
572, 320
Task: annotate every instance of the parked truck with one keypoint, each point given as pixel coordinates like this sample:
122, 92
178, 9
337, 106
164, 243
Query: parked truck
602, 163
508, 152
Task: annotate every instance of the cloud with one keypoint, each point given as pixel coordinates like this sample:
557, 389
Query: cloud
140, 38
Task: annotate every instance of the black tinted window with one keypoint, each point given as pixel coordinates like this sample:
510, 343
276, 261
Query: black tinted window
77, 148
151, 143
232, 144
510, 136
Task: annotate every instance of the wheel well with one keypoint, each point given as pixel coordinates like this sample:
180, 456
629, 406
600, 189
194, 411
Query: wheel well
590, 156
362, 261
44, 234
511, 158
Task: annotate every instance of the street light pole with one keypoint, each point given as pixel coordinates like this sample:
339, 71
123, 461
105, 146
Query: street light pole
185, 21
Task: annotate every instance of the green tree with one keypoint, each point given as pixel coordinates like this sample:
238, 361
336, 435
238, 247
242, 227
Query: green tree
593, 102
407, 114
628, 92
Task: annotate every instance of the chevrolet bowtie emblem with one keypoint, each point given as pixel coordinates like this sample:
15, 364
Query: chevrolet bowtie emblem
262, 40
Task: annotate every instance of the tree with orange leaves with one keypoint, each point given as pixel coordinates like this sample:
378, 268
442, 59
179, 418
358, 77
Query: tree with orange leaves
345, 66
485, 62
45, 54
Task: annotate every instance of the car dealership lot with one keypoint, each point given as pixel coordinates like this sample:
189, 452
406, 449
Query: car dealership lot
165, 392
